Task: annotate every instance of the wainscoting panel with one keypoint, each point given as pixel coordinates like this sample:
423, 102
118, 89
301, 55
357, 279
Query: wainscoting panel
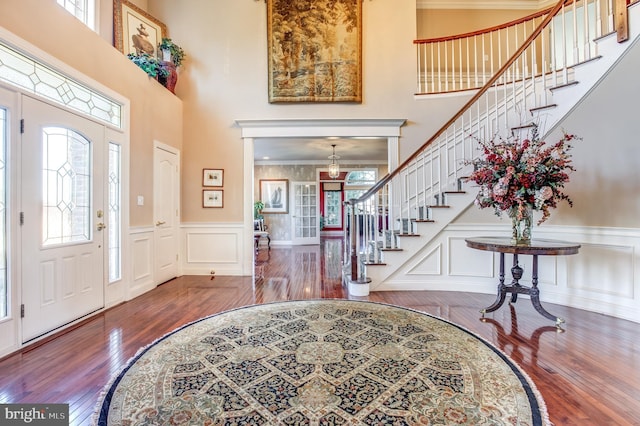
606, 269
213, 247
429, 264
466, 262
602, 277
141, 243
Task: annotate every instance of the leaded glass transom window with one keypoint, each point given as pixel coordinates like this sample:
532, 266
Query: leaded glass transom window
31, 76
66, 183
114, 213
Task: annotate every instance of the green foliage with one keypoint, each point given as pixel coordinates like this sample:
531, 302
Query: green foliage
149, 64
177, 53
257, 208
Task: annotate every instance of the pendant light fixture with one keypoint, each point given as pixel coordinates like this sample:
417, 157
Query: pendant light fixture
334, 167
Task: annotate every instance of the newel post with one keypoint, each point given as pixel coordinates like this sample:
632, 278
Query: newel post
359, 283
622, 20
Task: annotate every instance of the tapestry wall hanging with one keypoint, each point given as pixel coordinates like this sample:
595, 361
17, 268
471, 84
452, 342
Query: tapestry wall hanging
315, 50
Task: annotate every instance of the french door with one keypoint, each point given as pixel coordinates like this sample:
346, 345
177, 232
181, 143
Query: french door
305, 222
62, 217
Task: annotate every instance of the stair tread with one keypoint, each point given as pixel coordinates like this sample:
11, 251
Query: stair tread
455, 192
560, 86
438, 206
375, 263
540, 108
424, 220
408, 235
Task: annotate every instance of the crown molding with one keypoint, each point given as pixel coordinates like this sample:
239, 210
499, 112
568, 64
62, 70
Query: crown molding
484, 4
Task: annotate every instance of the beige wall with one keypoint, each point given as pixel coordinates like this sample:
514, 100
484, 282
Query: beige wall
224, 79
156, 114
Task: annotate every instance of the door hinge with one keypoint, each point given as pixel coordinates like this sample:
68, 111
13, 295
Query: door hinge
22, 311
22, 125
21, 218
176, 257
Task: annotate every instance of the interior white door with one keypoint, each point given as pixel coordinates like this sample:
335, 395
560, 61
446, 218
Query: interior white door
304, 220
166, 196
62, 217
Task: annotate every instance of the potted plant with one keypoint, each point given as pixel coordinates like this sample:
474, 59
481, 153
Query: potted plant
149, 64
171, 51
257, 210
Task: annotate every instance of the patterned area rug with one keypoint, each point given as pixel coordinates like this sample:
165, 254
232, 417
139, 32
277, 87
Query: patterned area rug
326, 362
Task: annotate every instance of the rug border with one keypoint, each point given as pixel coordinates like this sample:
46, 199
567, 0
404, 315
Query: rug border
540, 416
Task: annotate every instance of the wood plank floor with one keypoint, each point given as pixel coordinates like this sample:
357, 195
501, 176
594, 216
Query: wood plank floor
588, 375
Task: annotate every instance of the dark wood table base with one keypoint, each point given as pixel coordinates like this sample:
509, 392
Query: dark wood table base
516, 288
540, 247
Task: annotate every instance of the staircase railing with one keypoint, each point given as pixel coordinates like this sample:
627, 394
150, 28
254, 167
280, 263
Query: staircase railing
467, 61
513, 97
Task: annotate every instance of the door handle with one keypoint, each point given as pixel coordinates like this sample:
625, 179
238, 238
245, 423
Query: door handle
100, 226
160, 222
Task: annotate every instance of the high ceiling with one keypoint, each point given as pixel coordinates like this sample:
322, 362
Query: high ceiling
318, 150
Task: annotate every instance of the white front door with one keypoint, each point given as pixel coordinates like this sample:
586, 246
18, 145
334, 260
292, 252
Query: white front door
62, 217
166, 198
304, 220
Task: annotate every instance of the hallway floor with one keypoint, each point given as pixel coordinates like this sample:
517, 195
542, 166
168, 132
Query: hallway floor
588, 375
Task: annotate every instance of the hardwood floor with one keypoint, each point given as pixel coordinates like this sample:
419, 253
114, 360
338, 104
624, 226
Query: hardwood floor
588, 375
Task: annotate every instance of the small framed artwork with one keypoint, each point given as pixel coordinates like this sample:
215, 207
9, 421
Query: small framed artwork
212, 198
135, 31
212, 177
274, 193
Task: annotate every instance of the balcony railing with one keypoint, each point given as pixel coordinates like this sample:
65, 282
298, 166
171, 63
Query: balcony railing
467, 61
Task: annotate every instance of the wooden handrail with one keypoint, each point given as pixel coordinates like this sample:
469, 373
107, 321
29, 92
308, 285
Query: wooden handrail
381, 183
484, 30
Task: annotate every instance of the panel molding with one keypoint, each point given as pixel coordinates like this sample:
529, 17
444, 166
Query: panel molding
141, 243
215, 247
609, 253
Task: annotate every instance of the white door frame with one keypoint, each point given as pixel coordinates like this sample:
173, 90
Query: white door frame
158, 227
305, 128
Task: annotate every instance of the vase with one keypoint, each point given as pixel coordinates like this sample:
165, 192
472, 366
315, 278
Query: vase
171, 79
521, 226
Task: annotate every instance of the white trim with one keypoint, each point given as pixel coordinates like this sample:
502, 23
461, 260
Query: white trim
255, 128
563, 280
317, 163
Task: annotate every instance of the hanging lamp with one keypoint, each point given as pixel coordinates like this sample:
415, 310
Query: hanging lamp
334, 167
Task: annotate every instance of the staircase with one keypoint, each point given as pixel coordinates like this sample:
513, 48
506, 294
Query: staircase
408, 208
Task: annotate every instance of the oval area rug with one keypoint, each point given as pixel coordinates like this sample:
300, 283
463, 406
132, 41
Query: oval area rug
321, 362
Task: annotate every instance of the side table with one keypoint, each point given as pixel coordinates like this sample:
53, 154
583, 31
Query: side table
536, 248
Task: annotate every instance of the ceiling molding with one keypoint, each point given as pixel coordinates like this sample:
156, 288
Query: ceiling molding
484, 4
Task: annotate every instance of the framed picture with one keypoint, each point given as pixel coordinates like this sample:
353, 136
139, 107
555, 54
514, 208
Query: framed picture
134, 30
315, 54
212, 198
212, 177
274, 193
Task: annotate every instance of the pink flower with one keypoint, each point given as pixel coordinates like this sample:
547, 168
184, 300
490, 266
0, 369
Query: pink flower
517, 174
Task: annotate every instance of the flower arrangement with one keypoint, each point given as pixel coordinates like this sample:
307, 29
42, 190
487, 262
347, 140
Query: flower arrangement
518, 176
